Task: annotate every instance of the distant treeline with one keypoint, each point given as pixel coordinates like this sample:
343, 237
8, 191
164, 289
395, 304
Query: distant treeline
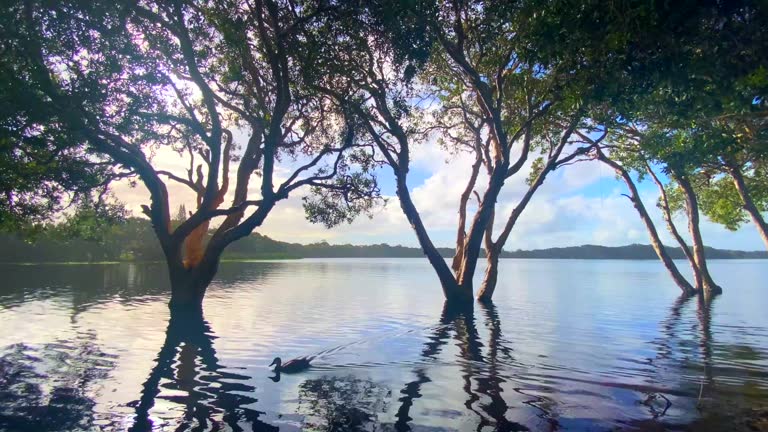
250, 247
133, 240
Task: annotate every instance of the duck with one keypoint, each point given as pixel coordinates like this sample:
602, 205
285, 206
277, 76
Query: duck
291, 366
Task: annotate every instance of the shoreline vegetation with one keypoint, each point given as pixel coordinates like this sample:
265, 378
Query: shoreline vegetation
119, 248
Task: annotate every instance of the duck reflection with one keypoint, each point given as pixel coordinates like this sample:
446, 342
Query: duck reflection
189, 371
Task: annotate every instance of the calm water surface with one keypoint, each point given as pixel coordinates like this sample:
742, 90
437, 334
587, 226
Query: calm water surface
568, 345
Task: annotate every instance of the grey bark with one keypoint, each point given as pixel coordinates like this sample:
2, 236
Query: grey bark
667, 213
709, 287
658, 247
749, 204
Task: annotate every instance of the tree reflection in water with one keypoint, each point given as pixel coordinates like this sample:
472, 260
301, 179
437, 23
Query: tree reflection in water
48, 388
351, 403
341, 403
188, 369
699, 368
475, 367
56, 387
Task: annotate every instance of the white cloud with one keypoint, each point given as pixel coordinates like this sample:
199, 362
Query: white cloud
563, 212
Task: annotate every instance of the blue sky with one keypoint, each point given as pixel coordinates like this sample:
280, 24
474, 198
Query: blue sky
578, 204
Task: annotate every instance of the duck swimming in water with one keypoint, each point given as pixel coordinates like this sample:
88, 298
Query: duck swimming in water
292, 366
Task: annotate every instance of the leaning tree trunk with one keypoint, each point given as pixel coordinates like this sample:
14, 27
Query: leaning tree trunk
451, 289
749, 204
494, 249
492, 254
488, 286
698, 281
709, 287
656, 243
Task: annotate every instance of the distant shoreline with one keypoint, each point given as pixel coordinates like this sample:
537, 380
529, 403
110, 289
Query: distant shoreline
140, 247
257, 260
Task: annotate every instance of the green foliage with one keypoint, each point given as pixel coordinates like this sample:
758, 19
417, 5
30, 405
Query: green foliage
334, 206
127, 239
44, 162
92, 220
721, 203
689, 79
536, 168
675, 198
134, 241
39, 178
181, 214
718, 198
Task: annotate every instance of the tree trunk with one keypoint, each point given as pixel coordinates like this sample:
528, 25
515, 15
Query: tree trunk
749, 205
656, 243
491, 275
188, 286
483, 217
461, 233
709, 287
494, 249
667, 213
451, 289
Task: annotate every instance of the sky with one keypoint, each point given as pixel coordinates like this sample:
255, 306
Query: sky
578, 204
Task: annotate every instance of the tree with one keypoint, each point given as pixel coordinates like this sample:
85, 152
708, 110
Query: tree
734, 184
119, 80
499, 120
359, 75
694, 71
623, 171
462, 128
40, 174
181, 214
629, 148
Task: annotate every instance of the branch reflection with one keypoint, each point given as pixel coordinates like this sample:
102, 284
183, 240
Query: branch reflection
189, 371
481, 375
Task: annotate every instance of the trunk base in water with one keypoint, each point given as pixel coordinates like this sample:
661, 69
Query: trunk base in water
461, 296
185, 305
187, 296
491, 277
712, 290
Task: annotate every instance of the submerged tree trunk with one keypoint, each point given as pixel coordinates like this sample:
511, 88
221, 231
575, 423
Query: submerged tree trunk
488, 286
186, 291
749, 204
188, 285
709, 287
656, 243
492, 254
451, 289
483, 218
494, 249
667, 213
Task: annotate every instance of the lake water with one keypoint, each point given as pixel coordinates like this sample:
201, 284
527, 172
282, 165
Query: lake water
568, 345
